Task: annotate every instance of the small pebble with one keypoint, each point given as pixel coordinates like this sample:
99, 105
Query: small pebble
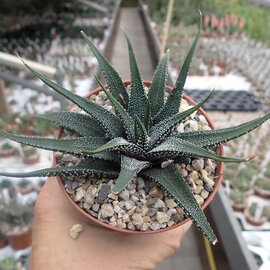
140, 183
155, 226
75, 231
106, 210
184, 172
171, 223
162, 217
124, 195
208, 187
156, 192
199, 199
79, 194
103, 193
95, 207
132, 210
155, 203
205, 194
194, 175
137, 219
199, 189
171, 212
170, 203
129, 204
198, 164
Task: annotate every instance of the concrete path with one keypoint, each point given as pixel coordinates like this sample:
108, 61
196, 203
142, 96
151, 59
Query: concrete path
190, 256
131, 21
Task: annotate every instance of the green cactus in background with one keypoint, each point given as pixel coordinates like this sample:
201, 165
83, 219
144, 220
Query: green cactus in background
138, 137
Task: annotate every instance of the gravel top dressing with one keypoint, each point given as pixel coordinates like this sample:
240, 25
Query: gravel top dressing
142, 205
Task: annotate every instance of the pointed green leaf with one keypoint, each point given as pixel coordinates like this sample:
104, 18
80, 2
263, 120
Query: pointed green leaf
172, 105
129, 168
81, 123
140, 133
119, 144
110, 122
163, 128
147, 118
171, 180
174, 147
213, 138
158, 85
96, 168
78, 146
137, 100
113, 79
123, 114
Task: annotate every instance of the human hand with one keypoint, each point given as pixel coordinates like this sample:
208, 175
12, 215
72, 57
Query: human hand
96, 247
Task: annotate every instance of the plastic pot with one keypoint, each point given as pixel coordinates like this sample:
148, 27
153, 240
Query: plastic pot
218, 176
20, 241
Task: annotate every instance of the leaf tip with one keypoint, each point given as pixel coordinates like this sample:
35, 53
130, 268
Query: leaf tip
251, 158
214, 242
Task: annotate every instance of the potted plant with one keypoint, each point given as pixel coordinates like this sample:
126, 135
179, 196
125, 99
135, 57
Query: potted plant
139, 135
243, 184
257, 215
39, 185
10, 264
25, 187
16, 222
7, 185
30, 155
3, 241
238, 200
7, 150
262, 187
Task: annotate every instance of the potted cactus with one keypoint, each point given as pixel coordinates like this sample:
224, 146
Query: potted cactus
38, 186
257, 215
238, 200
7, 185
16, 221
30, 155
25, 186
262, 187
243, 184
10, 264
3, 241
7, 150
132, 158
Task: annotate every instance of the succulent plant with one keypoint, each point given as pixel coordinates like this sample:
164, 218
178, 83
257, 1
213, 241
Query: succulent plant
8, 264
29, 151
263, 183
15, 216
6, 146
237, 197
252, 209
138, 137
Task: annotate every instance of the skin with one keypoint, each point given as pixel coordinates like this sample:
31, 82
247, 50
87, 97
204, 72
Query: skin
96, 247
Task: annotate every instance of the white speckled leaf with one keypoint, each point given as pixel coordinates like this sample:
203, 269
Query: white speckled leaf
171, 180
129, 168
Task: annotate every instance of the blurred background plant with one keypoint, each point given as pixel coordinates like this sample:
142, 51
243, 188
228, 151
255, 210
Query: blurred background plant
254, 20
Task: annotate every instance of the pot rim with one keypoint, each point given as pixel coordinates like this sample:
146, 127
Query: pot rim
218, 174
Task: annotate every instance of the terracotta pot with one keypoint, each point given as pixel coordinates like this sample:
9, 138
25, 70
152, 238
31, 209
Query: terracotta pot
253, 221
31, 160
262, 192
249, 193
8, 153
20, 241
3, 243
218, 176
26, 190
238, 207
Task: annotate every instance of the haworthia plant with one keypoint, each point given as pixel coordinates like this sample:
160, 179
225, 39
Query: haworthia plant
138, 137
